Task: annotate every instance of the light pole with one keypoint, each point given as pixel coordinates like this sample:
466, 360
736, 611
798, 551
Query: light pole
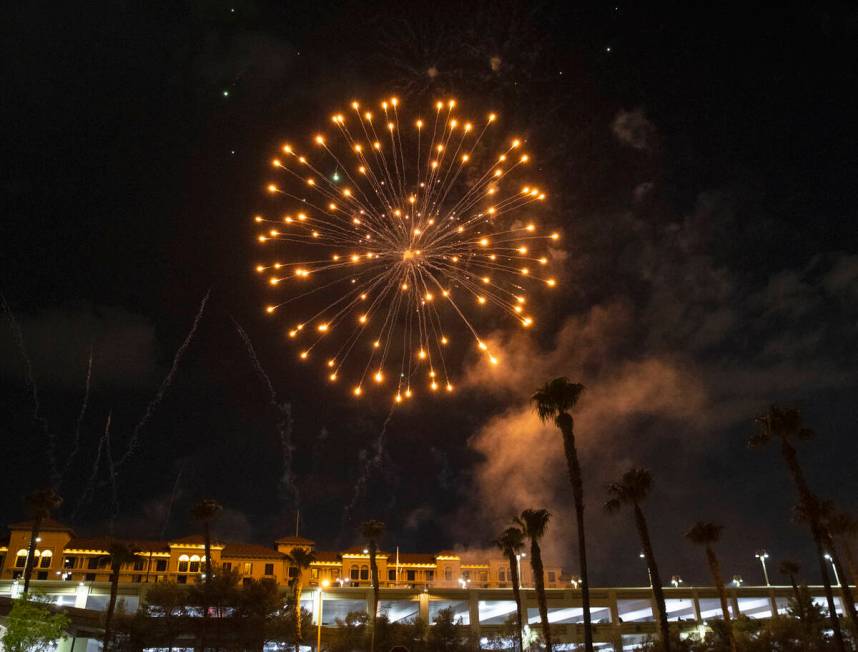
325, 584
762, 555
518, 558
676, 580
737, 580
648, 571
833, 567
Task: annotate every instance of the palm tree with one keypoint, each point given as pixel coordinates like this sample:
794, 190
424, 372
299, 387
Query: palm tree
785, 425
300, 558
555, 400
205, 512
632, 489
372, 531
119, 555
40, 504
844, 528
533, 523
510, 542
706, 534
790, 569
822, 511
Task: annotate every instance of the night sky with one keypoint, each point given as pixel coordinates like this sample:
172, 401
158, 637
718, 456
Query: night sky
702, 167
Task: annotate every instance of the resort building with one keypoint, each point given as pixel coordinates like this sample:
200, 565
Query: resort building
60, 555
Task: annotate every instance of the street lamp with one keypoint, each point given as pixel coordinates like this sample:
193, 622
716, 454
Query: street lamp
648, 571
833, 567
676, 580
737, 580
762, 555
575, 581
325, 584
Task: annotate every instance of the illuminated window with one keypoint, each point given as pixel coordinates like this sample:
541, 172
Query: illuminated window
314, 573
195, 564
247, 568
21, 559
45, 559
184, 560
354, 573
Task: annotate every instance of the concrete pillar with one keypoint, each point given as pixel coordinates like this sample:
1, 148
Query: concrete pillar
474, 614
616, 630
695, 601
423, 606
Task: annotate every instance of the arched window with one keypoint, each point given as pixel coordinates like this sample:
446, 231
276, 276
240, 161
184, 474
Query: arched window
21, 559
45, 559
354, 571
364, 572
195, 563
183, 563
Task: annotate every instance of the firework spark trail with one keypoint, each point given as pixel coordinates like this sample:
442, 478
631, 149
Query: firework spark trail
173, 495
83, 407
165, 385
89, 487
370, 465
111, 470
18, 335
284, 424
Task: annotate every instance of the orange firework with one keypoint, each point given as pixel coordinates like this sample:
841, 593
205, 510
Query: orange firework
400, 240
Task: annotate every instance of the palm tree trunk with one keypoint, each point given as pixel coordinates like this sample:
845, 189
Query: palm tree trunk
567, 427
516, 592
111, 607
207, 542
797, 596
31, 554
657, 589
807, 498
373, 569
845, 589
715, 569
829, 594
297, 612
539, 584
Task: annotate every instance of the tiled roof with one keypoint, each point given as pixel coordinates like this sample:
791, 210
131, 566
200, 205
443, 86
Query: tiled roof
103, 543
48, 525
295, 541
413, 558
249, 550
327, 555
361, 550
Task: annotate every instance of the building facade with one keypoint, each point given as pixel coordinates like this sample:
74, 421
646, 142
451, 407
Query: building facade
61, 555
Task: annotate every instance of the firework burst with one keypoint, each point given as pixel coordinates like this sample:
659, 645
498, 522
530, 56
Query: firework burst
392, 242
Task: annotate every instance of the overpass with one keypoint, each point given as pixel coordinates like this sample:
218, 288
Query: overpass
622, 617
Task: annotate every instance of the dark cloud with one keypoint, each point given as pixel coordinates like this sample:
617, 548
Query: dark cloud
58, 342
634, 129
